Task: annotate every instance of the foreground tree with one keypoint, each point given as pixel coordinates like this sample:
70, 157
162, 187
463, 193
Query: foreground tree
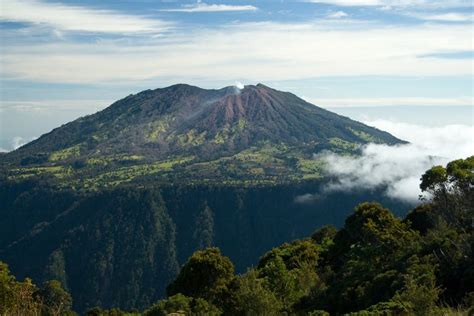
451, 191
206, 275
24, 298
17, 298
97, 311
56, 301
251, 295
182, 305
450, 218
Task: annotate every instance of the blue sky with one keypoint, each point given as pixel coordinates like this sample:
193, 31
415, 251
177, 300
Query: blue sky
62, 59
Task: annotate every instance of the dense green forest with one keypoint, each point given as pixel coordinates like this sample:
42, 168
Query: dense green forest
121, 247
376, 264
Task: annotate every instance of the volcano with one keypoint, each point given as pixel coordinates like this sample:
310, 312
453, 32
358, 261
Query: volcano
112, 204
183, 133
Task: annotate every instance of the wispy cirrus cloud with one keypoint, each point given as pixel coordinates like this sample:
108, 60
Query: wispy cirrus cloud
468, 54
200, 6
77, 18
337, 15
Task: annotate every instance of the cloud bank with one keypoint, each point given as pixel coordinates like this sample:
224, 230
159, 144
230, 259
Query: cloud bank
310, 50
394, 101
398, 168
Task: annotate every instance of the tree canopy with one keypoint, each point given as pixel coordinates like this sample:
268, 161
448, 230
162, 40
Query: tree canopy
376, 264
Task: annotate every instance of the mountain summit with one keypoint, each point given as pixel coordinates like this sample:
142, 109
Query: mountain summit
183, 132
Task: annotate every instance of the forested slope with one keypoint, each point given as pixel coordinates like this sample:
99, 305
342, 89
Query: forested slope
375, 264
121, 247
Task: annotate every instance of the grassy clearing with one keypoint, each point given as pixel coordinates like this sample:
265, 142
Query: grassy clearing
104, 161
310, 168
343, 144
365, 136
66, 153
59, 172
192, 138
127, 174
158, 127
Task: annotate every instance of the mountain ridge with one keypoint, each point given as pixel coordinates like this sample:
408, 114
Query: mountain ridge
245, 135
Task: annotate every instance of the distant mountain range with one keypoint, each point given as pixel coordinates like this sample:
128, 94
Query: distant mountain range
187, 134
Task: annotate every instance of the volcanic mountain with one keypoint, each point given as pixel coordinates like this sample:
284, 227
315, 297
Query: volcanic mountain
185, 133
112, 204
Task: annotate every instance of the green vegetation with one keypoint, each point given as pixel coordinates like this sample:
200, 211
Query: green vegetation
344, 145
182, 305
375, 264
366, 136
126, 174
25, 298
310, 168
59, 172
241, 123
206, 275
269, 164
191, 138
66, 153
158, 127
104, 161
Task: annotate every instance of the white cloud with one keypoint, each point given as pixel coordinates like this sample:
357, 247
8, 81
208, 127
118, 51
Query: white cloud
77, 18
239, 85
19, 141
205, 7
396, 101
45, 106
446, 17
338, 15
342, 48
399, 168
16, 142
448, 141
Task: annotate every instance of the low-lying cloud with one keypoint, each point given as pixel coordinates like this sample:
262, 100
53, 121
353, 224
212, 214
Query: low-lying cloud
398, 169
